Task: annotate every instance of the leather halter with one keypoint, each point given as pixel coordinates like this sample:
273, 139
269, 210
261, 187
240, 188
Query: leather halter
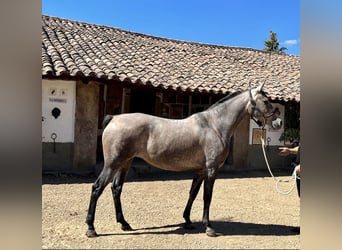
254, 108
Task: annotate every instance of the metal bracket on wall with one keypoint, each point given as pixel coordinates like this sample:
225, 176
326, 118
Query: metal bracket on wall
268, 142
53, 137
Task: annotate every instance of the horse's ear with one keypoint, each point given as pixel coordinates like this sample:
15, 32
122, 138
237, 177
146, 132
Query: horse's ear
260, 87
250, 95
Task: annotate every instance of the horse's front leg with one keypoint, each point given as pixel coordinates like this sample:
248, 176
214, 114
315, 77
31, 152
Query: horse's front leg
209, 181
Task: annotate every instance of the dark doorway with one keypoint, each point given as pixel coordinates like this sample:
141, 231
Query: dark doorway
143, 102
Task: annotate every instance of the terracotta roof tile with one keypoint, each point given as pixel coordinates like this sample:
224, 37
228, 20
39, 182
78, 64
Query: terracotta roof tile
76, 49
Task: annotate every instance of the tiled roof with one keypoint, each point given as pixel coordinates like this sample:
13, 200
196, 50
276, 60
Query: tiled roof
77, 50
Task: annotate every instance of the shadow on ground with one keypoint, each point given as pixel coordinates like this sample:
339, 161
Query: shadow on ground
223, 228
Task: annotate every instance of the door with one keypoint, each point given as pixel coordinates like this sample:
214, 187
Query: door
143, 102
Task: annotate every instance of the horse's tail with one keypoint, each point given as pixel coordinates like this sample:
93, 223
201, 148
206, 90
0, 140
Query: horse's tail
106, 120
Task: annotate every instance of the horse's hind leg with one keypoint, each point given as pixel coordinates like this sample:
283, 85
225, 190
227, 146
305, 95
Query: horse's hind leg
195, 187
97, 188
117, 185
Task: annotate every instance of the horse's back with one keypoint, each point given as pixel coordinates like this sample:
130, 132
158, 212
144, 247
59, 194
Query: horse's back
139, 126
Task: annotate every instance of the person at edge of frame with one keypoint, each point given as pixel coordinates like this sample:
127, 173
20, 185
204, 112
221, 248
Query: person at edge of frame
284, 151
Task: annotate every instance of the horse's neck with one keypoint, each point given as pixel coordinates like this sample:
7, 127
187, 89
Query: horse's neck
227, 116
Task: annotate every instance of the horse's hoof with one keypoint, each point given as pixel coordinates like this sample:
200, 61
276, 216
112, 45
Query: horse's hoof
188, 226
126, 227
211, 232
91, 234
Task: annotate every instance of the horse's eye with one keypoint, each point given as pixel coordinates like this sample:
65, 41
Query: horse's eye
266, 102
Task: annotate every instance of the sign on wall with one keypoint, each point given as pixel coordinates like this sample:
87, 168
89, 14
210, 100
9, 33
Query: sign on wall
58, 110
258, 133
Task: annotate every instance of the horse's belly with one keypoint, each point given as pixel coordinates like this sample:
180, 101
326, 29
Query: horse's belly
179, 162
176, 151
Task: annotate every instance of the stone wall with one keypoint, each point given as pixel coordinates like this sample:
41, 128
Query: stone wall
240, 146
86, 125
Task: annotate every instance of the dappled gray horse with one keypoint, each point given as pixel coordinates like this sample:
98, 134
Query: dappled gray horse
199, 142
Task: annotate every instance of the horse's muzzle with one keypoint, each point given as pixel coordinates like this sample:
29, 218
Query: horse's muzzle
277, 123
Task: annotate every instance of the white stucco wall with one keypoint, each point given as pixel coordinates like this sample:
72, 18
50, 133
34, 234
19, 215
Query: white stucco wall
58, 94
272, 134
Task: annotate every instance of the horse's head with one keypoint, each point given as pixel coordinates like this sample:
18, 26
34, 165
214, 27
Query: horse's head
261, 110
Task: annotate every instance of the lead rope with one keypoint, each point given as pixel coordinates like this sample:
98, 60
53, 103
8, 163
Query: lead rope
292, 178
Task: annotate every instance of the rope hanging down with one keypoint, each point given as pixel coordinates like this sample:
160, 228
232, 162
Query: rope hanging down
292, 178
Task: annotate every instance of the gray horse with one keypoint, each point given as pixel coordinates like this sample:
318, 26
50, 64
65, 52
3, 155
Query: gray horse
199, 142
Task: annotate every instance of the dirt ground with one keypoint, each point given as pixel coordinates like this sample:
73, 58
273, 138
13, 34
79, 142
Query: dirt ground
248, 212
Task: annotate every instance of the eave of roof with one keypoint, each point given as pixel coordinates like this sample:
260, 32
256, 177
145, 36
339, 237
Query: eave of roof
72, 49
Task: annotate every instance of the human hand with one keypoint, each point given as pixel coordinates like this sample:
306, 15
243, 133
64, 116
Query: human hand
297, 170
284, 151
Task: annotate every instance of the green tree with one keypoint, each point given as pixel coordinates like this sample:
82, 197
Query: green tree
291, 123
272, 43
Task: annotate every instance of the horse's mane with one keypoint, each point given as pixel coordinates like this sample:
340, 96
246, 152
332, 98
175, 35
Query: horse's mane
222, 100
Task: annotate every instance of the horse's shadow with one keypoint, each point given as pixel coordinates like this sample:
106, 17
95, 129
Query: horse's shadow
223, 228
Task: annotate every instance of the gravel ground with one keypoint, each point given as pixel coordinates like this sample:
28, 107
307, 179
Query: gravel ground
247, 211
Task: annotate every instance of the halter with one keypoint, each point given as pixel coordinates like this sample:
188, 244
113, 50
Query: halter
259, 123
265, 116
255, 108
